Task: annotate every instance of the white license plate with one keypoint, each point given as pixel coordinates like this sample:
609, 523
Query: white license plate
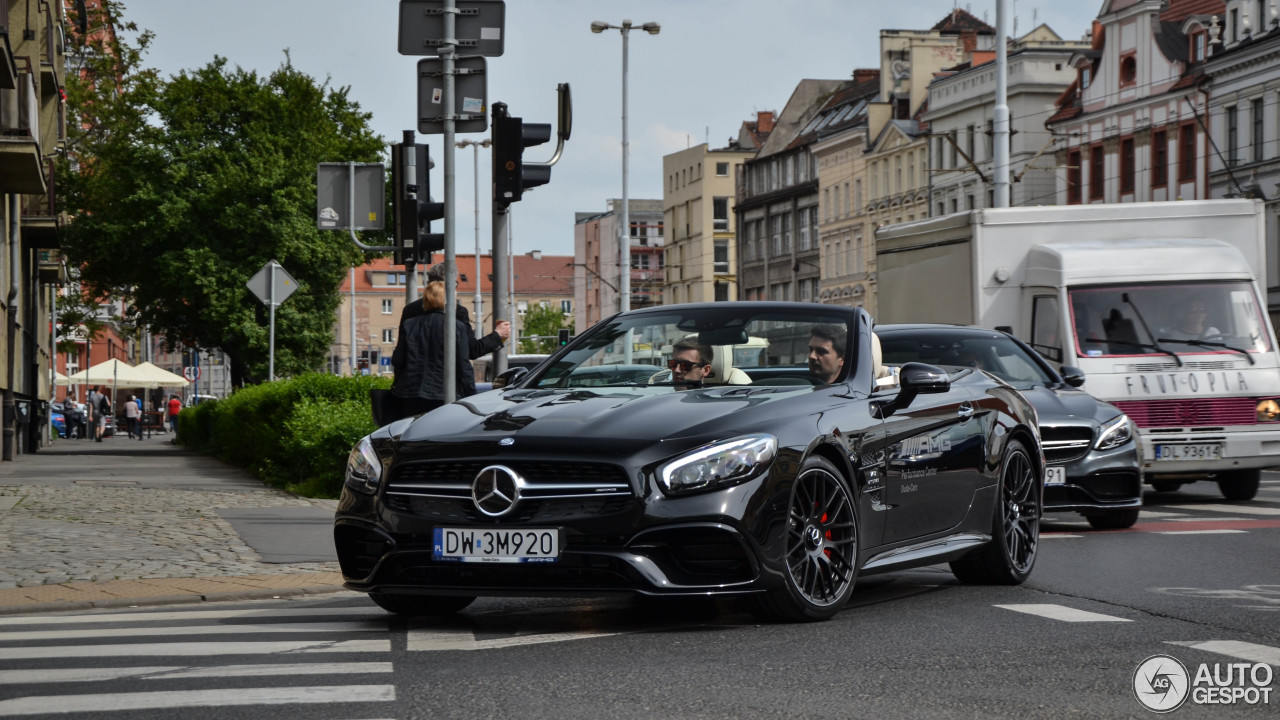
1055, 475
1200, 451
496, 545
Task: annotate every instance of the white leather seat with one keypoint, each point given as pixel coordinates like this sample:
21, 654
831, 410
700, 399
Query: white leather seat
722, 369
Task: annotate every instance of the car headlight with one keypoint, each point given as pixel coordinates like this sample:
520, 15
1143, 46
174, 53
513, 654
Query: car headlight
1268, 411
364, 469
1114, 433
720, 464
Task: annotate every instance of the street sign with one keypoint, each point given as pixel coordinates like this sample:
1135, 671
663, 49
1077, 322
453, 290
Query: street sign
260, 285
470, 95
333, 196
477, 27
191, 372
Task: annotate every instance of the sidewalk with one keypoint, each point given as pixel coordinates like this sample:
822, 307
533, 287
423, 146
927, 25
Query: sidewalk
126, 523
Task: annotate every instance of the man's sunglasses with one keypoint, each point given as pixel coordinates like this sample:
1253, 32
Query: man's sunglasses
684, 365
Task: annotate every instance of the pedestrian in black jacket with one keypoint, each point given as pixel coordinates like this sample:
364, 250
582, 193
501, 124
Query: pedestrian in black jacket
418, 359
475, 347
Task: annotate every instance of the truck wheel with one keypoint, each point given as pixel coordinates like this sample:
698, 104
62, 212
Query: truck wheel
1239, 484
1114, 519
424, 605
1165, 485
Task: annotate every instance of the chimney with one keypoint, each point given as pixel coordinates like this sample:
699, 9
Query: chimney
863, 75
764, 121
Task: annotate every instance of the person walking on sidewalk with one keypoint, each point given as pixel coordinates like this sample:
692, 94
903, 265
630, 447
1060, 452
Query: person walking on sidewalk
175, 407
133, 416
99, 408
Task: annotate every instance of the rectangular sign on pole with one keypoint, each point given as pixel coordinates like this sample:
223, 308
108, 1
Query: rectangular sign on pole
477, 27
471, 96
333, 196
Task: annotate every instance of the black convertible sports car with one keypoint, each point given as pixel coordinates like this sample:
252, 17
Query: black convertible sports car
1094, 464
763, 458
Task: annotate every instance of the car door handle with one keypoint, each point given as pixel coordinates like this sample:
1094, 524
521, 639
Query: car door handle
966, 411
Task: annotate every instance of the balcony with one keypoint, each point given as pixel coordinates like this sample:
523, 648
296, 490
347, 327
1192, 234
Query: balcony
21, 164
40, 219
51, 267
8, 68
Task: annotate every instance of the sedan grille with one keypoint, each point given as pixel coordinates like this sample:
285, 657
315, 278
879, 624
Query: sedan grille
1064, 444
1195, 412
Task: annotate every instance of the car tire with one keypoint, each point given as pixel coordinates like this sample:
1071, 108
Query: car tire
1239, 484
1114, 519
1165, 485
421, 605
820, 550
1015, 531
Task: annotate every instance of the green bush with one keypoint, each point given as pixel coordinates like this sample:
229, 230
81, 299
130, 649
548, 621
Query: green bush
295, 433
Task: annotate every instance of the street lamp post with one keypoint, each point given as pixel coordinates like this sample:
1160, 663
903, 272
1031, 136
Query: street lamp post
475, 155
624, 242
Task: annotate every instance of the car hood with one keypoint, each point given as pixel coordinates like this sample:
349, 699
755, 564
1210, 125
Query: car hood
574, 420
1067, 404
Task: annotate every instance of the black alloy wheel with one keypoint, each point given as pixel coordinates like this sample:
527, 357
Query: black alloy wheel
1009, 557
1239, 485
1165, 485
821, 547
421, 605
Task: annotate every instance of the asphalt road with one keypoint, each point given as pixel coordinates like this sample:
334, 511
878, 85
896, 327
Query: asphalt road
1198, 579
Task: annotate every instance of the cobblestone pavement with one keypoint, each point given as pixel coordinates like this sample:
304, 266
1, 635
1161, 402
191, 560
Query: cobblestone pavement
79, 511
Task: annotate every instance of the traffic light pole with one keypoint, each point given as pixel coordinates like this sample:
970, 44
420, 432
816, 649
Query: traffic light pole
451, 348
501, 215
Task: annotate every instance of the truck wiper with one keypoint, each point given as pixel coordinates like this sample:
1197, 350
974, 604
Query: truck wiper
1146, 327
1211, 344
1144, 346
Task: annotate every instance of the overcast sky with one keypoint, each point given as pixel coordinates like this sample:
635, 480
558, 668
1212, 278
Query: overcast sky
714, 64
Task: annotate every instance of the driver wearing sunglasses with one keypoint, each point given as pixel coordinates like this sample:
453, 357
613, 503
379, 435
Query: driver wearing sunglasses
690, 363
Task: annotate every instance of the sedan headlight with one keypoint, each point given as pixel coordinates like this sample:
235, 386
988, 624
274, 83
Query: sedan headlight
720, 464
1115, 433
364, 469
1268, 411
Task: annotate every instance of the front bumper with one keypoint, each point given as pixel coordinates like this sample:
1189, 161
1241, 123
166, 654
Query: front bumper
1243, 448
1099, 480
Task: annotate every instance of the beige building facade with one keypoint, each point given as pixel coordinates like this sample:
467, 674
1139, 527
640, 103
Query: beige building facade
698, 224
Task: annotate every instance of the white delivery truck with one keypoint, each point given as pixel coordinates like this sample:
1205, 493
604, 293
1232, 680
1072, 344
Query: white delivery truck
1157, 303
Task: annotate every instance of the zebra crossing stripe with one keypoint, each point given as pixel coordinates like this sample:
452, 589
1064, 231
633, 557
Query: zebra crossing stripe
77, 675
1251, 652
426, 640
1062, 612
245, 629
105, 702
1221, 531
188, 649
1241, 509
169, 615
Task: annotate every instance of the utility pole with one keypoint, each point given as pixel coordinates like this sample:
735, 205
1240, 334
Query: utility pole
1000, 121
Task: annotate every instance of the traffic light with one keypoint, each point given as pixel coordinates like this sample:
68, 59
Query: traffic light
564, 336
411, 203
511, 175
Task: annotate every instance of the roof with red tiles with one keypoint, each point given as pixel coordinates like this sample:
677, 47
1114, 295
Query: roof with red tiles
959, 20
1179, 10
549, 275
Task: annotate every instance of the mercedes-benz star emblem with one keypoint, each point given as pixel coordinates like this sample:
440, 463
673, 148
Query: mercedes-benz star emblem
496, 490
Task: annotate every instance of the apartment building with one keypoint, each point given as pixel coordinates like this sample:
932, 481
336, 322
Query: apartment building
698, 223
597, 245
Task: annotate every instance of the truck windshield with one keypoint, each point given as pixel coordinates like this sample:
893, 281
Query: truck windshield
1176, 318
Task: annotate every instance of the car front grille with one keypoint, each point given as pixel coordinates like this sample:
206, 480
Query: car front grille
1191, 412
1062, 444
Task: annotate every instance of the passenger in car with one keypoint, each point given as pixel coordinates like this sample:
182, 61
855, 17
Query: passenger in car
826, 352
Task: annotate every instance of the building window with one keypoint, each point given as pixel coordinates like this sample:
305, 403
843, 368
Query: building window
972, 143
1187, 152
1159, 158
937, 152
1233, 25
1233, 133
1096, 180
388, 335
955, 150
1255, 109
566, 306
786, 234
1086, 74
386, 306
721, 257
775, 245
1074, 173
1128, 70
857, 195
720, 213
826, 204
1126, 165
722, 169
1198, 46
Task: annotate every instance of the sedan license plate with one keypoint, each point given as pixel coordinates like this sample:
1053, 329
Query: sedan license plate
495, 545
1201, 451
1055, 475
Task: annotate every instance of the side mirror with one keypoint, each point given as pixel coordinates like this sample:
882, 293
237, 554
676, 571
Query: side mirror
509, 377
913, 379
1071, 375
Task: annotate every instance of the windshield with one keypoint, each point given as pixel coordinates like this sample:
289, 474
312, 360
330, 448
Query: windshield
1178, 318
699, 346
994, 352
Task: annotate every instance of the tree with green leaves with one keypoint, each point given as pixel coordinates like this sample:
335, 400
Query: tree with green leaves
545, 321
181, 188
